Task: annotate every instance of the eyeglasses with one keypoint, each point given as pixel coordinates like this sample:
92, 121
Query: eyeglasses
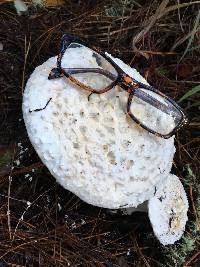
146, 106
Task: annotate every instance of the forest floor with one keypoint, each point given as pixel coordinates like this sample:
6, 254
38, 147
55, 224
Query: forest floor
42, 224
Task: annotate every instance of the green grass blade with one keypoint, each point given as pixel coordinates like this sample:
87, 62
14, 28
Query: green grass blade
193, 91
196, 24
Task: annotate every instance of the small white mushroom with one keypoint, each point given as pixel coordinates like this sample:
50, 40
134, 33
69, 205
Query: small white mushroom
168, 211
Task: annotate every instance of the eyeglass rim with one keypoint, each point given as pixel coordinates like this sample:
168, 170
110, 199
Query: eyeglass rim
121, 80
182, 121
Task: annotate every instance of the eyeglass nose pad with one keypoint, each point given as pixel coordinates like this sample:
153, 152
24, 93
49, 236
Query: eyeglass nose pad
55, 73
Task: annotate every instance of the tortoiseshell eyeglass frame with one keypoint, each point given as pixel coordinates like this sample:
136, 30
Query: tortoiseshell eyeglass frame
126, 82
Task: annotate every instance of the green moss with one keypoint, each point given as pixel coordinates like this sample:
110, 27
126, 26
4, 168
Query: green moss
119, 8
38, 3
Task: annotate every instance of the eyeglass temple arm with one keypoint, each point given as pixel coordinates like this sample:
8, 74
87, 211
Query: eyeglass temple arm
137, 92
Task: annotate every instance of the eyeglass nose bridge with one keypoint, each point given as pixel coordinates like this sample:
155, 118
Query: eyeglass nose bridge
127, 83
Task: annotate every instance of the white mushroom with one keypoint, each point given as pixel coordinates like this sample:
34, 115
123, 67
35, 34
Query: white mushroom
92, 147
168, 211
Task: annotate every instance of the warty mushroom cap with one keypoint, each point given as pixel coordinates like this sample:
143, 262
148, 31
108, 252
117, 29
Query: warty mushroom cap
168, 211
92, 147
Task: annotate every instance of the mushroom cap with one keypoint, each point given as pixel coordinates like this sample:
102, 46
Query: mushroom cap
168, 211
92, 147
